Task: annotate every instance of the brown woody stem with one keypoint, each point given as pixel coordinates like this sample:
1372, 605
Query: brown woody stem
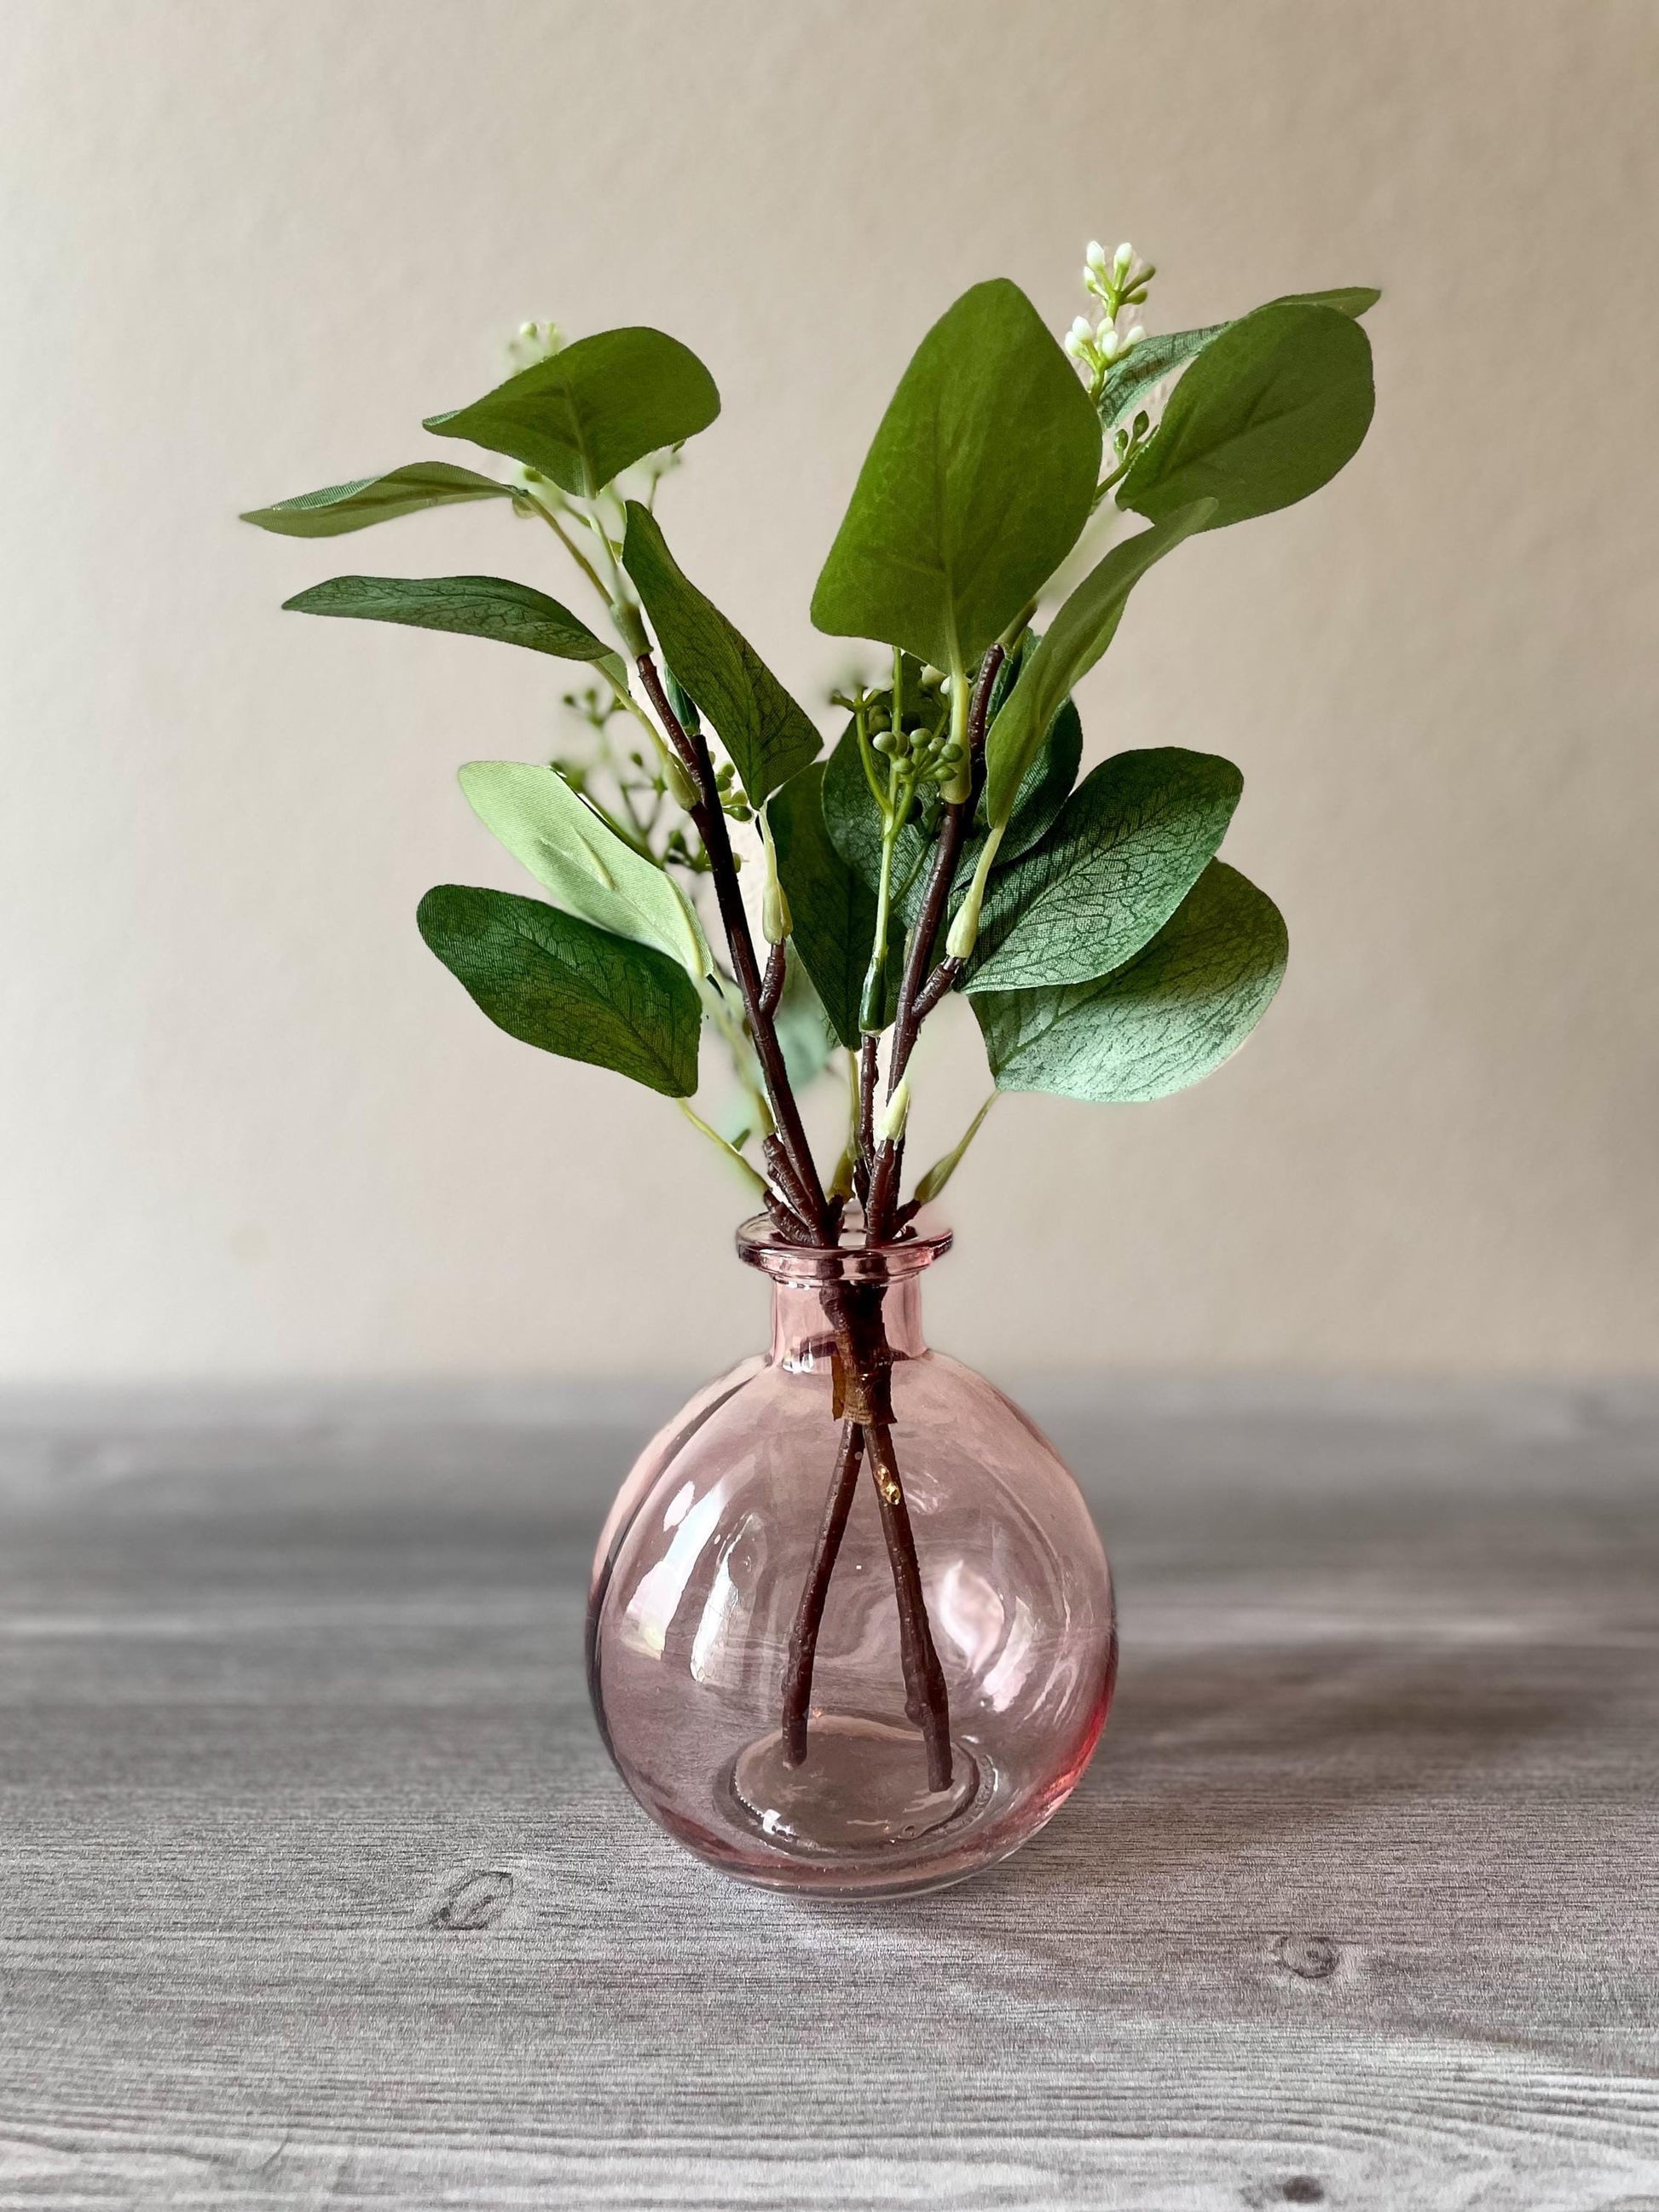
809, 1616
927, 1676
710, 818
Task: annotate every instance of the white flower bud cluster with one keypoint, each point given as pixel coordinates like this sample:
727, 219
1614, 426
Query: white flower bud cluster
533, 341
1096, 346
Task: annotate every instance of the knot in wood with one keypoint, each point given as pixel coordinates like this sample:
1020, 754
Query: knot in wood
472, 1900
1310, 1958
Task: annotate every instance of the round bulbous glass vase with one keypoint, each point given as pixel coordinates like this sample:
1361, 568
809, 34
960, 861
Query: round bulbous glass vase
851, 1628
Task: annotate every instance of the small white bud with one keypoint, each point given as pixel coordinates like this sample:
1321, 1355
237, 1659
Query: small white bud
1124, 257
1096, 255
1108, 342
1082, 330
1136, 334
1074, 345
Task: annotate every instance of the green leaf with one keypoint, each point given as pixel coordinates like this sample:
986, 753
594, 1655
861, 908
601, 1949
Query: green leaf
769, 736
554, 980
929, 1186
1043, 791
805, 1036
1071, 645
1268, 412
590, 871
1177, 1010
1155, 358
978, 482
831, 908
339, 508
583, 416
469, 606
855, 820
1132, 840
1354, 300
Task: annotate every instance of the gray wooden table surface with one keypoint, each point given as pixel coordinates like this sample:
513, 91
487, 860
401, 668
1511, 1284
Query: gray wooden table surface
315, 1886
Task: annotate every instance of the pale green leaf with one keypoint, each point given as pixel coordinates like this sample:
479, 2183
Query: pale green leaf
555, 981
1178, 1009
1268, 412
766, 734
590, 871
1073, 644
1130, 843
583, 416
978, 480
340, 507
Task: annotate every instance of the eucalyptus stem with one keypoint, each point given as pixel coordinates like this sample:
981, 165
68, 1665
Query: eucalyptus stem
710, 818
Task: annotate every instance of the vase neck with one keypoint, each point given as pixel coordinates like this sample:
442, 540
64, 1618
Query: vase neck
806, 1318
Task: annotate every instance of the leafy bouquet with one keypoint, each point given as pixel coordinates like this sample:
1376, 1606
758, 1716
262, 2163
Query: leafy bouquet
946, 845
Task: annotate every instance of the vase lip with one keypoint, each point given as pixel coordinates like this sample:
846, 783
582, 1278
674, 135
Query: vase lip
849, 1261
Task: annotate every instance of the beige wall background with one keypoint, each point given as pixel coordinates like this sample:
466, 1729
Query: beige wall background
250, 1127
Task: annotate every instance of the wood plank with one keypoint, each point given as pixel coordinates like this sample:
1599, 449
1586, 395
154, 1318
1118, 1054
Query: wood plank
314, 1882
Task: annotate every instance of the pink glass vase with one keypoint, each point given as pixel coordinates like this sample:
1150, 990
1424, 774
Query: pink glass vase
851, 1628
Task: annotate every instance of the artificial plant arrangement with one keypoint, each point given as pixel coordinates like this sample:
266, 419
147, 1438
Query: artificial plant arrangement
947, 845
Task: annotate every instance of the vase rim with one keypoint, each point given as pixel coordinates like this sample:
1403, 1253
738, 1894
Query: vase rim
849, 1261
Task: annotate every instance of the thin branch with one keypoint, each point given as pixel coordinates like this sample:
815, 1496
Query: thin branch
809, 1616
710, 818
952, 835
772, 982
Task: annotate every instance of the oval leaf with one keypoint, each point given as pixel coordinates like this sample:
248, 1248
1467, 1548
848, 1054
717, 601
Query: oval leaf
978, 482
1130, 843
768, 735
1070, 646
1175, 1012
340, 507
1268, 412
557, 983
585, 414
1149, 362
468, 606
590, 871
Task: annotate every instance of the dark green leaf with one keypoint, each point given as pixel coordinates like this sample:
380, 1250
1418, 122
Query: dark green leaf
585, 414
832, 909
557, 982
339, 508
1354, 300
1268, 412
1132, 841
1177, 1010
1073, 644
978, 482
1155, 358
469, 606
1043, 791
769, 736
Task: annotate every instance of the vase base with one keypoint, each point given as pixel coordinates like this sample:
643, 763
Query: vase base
861, 1791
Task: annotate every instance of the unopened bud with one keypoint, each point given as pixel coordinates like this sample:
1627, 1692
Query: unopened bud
1095, 254
890, 1125
678, 777
1123, 258
1136, 334
1081, 329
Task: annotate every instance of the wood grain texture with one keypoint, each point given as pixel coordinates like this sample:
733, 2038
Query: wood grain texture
316, 1887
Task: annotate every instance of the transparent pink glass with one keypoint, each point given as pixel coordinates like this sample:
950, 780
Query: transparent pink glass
702, 1602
